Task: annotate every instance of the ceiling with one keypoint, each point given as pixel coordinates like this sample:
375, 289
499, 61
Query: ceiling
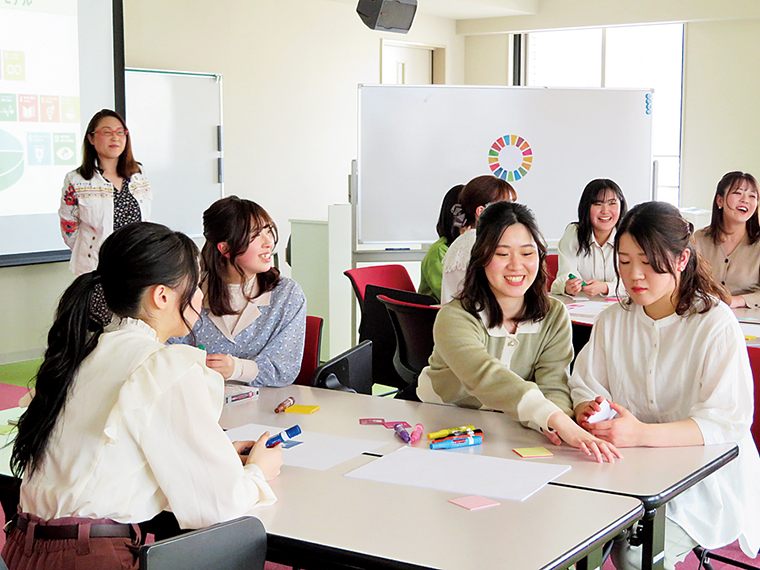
467, 9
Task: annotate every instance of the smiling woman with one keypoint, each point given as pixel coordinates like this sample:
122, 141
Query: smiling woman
731, 243
253, 320
585, 250
107, 192
503, 343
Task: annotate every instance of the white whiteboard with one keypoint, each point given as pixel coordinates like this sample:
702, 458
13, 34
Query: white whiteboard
417, 142
174, 120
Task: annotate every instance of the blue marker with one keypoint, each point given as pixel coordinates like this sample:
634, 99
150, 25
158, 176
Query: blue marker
452, 443
284, 436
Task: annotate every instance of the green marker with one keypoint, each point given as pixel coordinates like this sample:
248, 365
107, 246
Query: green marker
583, 283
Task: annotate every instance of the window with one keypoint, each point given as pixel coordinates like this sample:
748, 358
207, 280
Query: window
622, 57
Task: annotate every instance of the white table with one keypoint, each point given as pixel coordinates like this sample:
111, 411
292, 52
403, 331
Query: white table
584, 312
653, 476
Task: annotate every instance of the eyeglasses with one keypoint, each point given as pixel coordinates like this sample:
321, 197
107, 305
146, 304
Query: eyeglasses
109, 132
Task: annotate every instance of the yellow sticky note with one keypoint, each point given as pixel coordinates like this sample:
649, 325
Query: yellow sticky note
530, 452
301, 409
749, 337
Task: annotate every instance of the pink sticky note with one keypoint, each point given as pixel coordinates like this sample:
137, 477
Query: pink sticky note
474, 502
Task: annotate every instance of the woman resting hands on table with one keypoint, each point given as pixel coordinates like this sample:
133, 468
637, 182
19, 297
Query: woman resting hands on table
673, 363
504, 343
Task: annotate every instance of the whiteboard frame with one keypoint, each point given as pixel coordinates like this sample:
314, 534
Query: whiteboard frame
363, 245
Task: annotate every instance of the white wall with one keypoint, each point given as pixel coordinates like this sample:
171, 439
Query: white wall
721, 117
721, 74
290, 69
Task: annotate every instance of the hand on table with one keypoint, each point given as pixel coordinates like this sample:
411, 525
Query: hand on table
224, 364
737, 302
574, 435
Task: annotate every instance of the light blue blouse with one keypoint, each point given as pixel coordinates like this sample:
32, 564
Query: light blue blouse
274, 340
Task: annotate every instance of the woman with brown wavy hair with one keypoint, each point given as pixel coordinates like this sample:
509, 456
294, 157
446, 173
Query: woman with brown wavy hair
503, 343
253, 320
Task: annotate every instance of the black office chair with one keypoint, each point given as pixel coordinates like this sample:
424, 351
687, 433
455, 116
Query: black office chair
413, 326
348, 372
240, 544
376, 326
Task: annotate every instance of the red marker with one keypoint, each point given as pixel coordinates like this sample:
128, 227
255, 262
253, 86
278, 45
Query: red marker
285, 405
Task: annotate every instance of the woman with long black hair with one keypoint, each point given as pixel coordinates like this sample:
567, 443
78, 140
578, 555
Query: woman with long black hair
122, 426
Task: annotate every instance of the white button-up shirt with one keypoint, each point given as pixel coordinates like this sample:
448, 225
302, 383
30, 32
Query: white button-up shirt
140, 434
676, 368
597, 265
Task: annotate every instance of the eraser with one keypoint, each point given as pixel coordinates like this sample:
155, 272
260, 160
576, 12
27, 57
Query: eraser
606, 413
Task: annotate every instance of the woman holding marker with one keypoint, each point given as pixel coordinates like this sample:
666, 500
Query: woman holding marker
504, 343
672, 361
586, 252
253, 320
731, 243
122, 426
431, 272
476, 195
108, 191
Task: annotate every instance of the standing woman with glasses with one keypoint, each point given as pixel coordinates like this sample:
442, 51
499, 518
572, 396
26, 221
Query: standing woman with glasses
106, 193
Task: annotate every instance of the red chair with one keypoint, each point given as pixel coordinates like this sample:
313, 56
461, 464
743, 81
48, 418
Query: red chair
754, 362
413, 326
552, 266
311, 350
391, 276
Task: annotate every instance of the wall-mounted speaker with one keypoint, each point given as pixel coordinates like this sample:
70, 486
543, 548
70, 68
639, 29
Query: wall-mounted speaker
387, 15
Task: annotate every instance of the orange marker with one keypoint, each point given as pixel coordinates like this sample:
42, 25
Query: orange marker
285, 405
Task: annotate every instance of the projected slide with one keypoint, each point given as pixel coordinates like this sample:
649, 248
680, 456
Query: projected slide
40, 123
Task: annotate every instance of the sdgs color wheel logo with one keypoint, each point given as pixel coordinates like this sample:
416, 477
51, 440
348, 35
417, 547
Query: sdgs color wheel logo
510, 157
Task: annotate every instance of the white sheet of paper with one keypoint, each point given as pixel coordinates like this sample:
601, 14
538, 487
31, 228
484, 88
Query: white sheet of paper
460, 473
606, 413
588, 308
319, 451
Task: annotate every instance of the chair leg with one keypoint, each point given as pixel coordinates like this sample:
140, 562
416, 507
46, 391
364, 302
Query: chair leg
702, 555
705, 556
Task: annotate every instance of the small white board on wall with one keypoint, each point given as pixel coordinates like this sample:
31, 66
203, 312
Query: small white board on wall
175, 123
416, 142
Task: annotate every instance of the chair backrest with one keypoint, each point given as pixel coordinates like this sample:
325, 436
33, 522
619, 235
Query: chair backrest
413, 326
392, 276
376, 326
234, 545
552, 266
754, 362
349, 372
311, 349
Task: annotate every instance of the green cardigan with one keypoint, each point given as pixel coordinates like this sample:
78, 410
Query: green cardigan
465, 368
431, 273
